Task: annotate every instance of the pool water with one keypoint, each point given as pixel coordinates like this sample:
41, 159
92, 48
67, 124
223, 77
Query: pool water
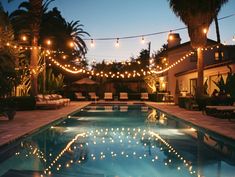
120, 141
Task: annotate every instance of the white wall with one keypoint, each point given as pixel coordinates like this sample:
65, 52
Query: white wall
210, 74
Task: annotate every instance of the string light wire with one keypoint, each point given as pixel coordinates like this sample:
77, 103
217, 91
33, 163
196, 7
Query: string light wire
150, 34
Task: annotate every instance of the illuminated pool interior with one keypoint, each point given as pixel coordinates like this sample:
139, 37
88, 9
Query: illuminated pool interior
120, 141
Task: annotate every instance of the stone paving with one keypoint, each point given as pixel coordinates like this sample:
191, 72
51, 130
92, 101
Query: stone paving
223, 127
28, 121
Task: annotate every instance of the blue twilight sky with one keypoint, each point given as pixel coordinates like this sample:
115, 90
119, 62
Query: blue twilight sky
118, 18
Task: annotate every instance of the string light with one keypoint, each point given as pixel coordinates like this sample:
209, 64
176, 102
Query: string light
65, 67
24, 38
92, 43
142, 40
48, 42
117, 75
234, 38
71, 44
205, 30
171, 37
153, 34
64, 57
125, 74
117, 43
182, 59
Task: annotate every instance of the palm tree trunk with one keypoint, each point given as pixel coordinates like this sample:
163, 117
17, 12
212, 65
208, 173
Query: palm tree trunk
218, 37
200, 76
217, 29
34, 63
36, 12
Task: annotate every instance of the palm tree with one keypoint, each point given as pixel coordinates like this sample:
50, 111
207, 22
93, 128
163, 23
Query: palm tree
49, 21
197, 15
75, 31
27, 19
8, 56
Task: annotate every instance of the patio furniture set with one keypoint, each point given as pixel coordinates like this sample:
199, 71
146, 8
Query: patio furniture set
109, 96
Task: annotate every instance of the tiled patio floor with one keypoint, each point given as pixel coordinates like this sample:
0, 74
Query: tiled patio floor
28, 121
221, 126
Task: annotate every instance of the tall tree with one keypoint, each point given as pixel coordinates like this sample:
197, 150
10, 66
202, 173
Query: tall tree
8, 56
27, 19
197, 15
52, 26
36, 13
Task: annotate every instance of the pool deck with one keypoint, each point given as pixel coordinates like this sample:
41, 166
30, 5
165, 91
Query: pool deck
26, 122
222, 127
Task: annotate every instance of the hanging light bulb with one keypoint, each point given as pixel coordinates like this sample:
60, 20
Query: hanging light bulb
170, 36
24, 38
92, 43
48, 42
142, 40
205, 30
71, 44
234, 38
117, 43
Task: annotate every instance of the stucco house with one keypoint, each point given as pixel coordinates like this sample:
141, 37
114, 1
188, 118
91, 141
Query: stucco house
185, 72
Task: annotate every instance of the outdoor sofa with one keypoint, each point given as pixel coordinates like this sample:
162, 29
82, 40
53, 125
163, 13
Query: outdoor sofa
53, 101
227, 112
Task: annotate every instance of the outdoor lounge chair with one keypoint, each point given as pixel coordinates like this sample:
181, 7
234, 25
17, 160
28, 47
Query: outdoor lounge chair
144, 96
79, 96
108, 95
123, 96
221, 111
93, 96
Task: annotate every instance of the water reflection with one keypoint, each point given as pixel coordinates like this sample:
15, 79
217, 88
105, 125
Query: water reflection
162, 144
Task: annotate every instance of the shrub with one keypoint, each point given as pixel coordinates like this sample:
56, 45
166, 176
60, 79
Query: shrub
25, 103
18, 103
202, 102
153, 97
182, 101
7, 103
220, 100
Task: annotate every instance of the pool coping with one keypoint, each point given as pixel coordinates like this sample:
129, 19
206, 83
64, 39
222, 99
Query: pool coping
203, 127
64, 112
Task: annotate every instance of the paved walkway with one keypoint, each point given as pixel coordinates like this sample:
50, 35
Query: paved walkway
220, 126
28, 121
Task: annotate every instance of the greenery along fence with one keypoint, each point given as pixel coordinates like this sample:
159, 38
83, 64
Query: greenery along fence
191, 102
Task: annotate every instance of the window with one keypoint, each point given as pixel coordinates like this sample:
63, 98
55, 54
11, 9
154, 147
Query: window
193, 86
217, 56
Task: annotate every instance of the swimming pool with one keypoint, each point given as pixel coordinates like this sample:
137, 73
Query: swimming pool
119, 141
